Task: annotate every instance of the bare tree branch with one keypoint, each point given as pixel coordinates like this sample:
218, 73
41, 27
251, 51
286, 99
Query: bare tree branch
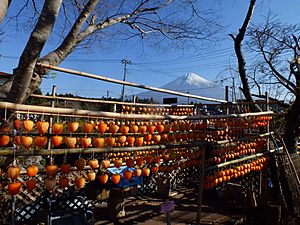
238, 39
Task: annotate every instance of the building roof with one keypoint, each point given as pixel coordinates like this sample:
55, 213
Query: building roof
3, 74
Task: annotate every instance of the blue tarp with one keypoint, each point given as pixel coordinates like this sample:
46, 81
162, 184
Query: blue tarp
124, 182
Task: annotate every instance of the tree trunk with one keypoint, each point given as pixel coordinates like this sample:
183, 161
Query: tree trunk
240, 57
291, 126
4, 4
58, 55
24, 72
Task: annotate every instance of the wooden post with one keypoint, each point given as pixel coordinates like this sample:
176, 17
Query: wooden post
263, 178
13, 210
51, 117
200, 192
226, 93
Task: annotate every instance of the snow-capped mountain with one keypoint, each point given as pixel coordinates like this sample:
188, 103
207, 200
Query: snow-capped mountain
190, 83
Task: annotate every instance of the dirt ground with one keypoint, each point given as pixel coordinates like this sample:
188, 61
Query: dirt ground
146, 210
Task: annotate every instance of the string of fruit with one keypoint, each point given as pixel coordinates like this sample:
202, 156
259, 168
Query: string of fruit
123, 134
219, 177
238, 150
179, 111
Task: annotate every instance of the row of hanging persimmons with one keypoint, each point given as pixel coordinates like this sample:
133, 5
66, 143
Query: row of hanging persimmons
142, 165
233, 172
149, 132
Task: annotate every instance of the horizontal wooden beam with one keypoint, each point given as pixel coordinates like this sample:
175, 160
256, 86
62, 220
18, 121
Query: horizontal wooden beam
72, 112
235, 161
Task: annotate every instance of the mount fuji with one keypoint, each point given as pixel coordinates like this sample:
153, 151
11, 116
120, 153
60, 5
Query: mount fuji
190, 83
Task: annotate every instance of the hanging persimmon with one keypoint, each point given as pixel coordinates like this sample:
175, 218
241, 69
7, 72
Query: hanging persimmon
124, 129
156, 138
30, 184
148, 159
42, 127
13, 172
70, 142
113, 128
79, 182
139, 141
142, 129
56, 140
118, 163
50, 183
17, 124
146, 171
130, 140
105, 163
122, 139
111, 141
14, 188
151, 129
4, 140
57, 128
85, 142
80, 163
99, 142
129, 163
26, 141
137, 172
103, 178
72, 126
93, 163
87, 127
91, 175
154, 169
40, 141
140, 162
65, 168
160, 128
51, 169
32, 170
127, 174
102, 127
17, 140
63, 181
115, 178
133, 128
28, 125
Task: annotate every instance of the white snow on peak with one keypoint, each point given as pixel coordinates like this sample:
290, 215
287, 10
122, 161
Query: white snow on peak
195, 79
188, 83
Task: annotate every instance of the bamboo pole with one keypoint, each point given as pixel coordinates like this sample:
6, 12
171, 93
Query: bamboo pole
107, 79
71, 112
243, 139
44, 152
239, 160
105, 101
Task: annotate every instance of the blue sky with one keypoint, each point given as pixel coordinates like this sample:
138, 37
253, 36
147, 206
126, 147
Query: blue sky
148, 65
